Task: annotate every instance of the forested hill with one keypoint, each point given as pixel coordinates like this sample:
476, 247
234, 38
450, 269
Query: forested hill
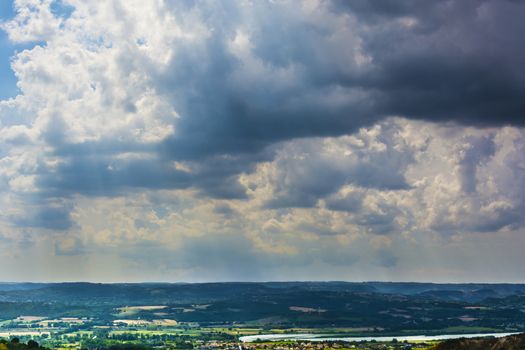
393, 307
512, 342
131, 293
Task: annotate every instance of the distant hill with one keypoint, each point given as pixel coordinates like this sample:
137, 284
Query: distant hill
132, 293
392, 307
512, 342
20, 286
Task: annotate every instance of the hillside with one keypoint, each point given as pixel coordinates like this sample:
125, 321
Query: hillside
513, 342
393, 307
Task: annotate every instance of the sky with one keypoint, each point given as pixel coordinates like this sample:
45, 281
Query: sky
240, 140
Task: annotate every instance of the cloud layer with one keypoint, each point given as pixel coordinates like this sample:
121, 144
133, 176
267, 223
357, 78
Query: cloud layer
263, 140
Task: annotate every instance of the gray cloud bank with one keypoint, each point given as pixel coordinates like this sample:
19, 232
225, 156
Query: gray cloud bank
343, 66
326, 72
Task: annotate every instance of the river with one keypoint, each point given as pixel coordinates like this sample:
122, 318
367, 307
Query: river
328, 337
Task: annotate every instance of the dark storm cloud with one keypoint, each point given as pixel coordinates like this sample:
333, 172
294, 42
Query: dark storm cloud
453, 61
381, 223
225, 210
330, 72
351, 202
459, 61
46, 216
303, 182
311, 171
220, 116
95, 168
100, 177
477, 151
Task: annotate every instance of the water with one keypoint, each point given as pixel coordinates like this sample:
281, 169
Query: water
328, 337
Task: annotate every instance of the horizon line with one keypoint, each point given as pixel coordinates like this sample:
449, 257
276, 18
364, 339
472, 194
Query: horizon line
259, 282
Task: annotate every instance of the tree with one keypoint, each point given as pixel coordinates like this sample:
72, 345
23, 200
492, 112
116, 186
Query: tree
32, 344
